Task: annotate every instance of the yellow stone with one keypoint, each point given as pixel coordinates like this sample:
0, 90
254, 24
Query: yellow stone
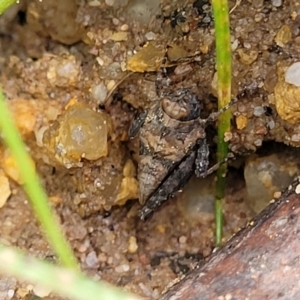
287, 98
120, 36
247, 57
4, 188
241, 122
132, 244
10, 168
148, 59
283, 36
129, 186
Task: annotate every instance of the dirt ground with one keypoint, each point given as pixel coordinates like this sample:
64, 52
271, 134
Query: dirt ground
71, 55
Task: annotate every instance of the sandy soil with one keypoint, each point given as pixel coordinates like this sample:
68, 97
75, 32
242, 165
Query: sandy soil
48, 62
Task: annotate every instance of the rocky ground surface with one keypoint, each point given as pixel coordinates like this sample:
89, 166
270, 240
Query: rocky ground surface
74, 70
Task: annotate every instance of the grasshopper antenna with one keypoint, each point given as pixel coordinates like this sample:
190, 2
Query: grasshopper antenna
108, 98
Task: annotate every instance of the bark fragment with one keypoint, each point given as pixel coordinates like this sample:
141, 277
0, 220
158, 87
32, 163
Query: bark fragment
262, 261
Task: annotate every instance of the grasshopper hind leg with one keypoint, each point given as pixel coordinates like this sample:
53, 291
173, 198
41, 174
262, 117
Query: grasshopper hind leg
202, 158
172, 184
202, 161
137, 124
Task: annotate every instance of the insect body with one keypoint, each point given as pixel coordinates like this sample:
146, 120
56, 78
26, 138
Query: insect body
172, 146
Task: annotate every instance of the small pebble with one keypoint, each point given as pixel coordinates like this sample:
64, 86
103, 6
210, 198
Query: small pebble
119, 36
258, 142
292, 74
271, 124
115, 21
283, 36
181, 69
247, 45
102, 257
110, 260
10, 293
41, 291
277, 195
122, 268
82, 248
297, 190
227, 136
186, 28
265, 177
22, 292
276, 3
124, 27
258, 111
147, 291
206, 19
110, 84
100, 61
92, 260
182, 239
4, 188
150, 36
132, 244
143, 259
99, 93
241, 122
294, 15
234, 45
228, 297
295, 138
110, 2
94, 3
161, 228
82, 132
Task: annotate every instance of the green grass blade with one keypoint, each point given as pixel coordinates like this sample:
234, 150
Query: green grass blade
223, 50
5, 4
64, 282
33, 187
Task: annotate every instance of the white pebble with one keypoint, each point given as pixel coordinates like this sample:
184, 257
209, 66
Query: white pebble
110, 2
150, 36
124, 27
67, 69
10, 293
92, 259
41, 291
297, 190
234, 45
94, 3
258, 111
122, 268
292, 74
110, 260
276, 3
182, 239
115, 21
258, 142
228, 297
100, 61
271, 124
99, 93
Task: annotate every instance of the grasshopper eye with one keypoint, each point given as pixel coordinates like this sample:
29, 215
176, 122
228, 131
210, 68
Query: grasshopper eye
174, 109
181, 106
